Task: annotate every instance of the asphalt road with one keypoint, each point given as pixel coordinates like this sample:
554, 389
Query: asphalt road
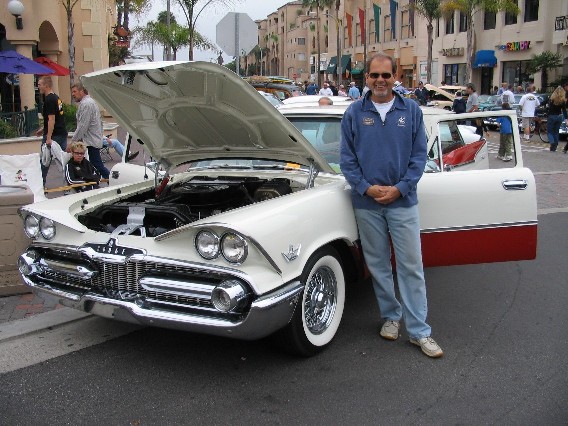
503, 328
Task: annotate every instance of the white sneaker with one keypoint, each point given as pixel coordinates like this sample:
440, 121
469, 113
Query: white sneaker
429, 347
389, 330
499, 157
507, 158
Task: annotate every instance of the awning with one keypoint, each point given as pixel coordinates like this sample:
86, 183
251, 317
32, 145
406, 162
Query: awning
345, 64
485, 58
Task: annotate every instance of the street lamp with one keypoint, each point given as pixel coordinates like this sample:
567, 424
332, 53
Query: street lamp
338, 22
16, 8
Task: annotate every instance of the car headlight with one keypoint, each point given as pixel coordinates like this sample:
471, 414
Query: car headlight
47, 228
207, 244
234, 248
31, 226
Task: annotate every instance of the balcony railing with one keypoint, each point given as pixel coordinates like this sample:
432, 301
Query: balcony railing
561, 23
25, 122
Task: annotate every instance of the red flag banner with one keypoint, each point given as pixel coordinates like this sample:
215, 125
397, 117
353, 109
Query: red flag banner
362, 25
349, 31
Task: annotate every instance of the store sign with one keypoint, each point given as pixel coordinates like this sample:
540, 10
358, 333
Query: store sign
454, 51
514, 46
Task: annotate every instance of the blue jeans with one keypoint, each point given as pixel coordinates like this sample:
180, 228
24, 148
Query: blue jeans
118, 147
62, 141
97, 162
404, 226
553, 129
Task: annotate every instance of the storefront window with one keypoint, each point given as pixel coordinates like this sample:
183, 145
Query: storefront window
454, 74
463, 22
515, 73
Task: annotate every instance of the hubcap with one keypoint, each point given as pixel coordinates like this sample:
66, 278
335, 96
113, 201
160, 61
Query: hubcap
320, 300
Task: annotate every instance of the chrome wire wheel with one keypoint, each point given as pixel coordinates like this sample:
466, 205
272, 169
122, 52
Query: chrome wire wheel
320, 301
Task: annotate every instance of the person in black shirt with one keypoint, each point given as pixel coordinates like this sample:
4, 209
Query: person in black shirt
79, 170
53, 120
422, 94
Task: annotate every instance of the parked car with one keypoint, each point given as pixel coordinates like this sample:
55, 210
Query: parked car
277, 103
301, 101
487, 102
236, 238
278, 87
443, 96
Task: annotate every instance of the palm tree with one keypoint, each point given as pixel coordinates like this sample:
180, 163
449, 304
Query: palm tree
429, 10
191, 15
543, 62
68, 5
317, 5
124, 7
470, 8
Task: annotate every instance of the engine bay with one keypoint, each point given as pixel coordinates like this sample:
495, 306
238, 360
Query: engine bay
151, 213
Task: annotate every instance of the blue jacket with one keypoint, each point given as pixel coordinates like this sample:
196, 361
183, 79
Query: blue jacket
390, 153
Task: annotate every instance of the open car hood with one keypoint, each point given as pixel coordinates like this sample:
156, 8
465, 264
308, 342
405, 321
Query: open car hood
191, 111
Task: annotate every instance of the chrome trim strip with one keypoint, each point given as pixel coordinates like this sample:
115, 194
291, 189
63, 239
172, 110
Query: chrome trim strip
474, 227
177, 287
77, 270
515, 184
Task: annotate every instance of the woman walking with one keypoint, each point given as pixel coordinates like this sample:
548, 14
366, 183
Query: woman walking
556, 113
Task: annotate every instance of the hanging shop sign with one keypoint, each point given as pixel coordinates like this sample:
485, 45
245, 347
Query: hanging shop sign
454, 51
514, 46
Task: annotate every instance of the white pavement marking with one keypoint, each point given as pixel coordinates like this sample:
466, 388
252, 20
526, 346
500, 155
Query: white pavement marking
51, 343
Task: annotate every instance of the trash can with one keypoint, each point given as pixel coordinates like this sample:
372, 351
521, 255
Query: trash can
13, 240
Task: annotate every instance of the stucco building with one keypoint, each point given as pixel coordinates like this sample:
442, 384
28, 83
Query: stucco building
502, 45
44, 33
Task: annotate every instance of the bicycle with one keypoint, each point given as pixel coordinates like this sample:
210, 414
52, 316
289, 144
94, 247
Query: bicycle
541, 128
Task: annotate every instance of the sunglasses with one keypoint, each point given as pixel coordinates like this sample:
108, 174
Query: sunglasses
78, 153
384, 75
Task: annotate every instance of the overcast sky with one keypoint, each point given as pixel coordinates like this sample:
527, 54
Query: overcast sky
207, 22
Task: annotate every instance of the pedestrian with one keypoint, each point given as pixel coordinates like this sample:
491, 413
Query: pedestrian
503, 87
528, 103
325, 90
399, 88
53, 120
312, 89
494, 91
422, 94
89, 127
325, 100
508, 96
472, 105
79, 170
459, 104
505, 136
353, 91
556, 115
333, 88
383, 154
520, 90
341, 91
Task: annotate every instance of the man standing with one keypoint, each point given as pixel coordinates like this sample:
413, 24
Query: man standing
383, 154
421, 94
325, 90
508, 96
312, 89
528, 103
472, 105
503, 87
53, 119
89, 127
353, 91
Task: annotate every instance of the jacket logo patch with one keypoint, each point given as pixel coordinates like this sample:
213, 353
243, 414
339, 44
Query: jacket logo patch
368, 121
402, 122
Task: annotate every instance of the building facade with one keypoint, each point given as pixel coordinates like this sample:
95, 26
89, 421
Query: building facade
502, 44
44, 33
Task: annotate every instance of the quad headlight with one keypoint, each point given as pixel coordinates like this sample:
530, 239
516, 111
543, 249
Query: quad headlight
231, 246
234, 248
31, 226
47, 228
34, 227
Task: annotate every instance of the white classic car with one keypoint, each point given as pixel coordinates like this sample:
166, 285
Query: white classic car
249, 229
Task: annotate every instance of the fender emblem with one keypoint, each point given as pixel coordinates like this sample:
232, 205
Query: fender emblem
293, 253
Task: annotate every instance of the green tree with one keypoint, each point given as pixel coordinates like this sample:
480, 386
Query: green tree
317, 5
544, 62
125, 7
192, 11
470, 8
68, 5
429, 10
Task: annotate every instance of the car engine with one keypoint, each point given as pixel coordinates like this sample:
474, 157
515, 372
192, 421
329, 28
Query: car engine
184, 202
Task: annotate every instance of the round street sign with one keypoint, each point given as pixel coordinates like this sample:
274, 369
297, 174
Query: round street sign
237, 33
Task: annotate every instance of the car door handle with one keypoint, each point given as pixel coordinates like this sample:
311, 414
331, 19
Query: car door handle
516, 184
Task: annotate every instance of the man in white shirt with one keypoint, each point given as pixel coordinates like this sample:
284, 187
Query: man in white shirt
508, 96
325, 90
529, 103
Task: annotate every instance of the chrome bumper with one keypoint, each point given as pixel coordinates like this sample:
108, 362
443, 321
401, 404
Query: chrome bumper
266, 315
